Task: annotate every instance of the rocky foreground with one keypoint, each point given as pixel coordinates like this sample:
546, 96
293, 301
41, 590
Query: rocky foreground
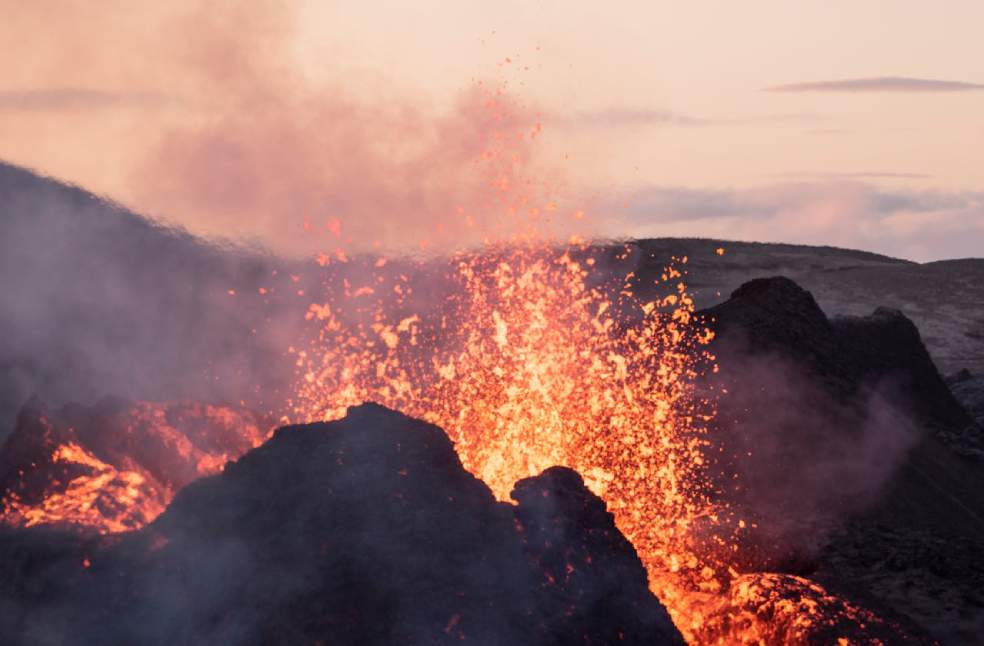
363, 531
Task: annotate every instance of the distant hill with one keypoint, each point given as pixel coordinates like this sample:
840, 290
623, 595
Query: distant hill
945, 299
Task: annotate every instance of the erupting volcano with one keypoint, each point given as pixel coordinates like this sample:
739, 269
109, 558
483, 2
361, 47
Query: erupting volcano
535, 358
530, 354
444, 395
526, 366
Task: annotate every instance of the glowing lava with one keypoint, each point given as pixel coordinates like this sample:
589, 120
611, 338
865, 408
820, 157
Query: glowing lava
115, 470
527, 366
101, 496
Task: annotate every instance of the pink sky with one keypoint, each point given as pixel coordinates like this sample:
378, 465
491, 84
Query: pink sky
849, 123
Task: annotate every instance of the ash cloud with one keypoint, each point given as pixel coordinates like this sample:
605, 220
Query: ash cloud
306, 165
254, 146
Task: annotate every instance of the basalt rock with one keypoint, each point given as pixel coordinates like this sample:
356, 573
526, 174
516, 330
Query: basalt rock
593, 585
968, 388
847, 354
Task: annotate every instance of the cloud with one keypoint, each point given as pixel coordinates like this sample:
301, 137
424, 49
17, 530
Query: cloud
646, 117
880, 84
74, 98
854, 175
919, 225
619, 117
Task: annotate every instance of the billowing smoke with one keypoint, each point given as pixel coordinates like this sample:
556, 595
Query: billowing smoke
800, 460
815, 416
246, 140
99, 301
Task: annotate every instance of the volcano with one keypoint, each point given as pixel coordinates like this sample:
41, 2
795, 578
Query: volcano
330, 531
596, 452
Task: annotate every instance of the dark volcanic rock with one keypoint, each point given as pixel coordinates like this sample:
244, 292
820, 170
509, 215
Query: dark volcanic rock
776, 314
595, 585
887, 345
362, 531
847, 443
848, 354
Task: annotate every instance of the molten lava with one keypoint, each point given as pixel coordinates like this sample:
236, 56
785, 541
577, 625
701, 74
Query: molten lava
102, 496
526, 365
115, 467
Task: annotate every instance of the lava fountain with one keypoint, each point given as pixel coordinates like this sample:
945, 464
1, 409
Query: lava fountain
531, 353
526, 365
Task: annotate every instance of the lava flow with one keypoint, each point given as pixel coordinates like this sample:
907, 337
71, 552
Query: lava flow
114, 467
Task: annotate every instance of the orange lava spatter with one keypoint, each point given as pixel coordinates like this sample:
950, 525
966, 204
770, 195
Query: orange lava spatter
527, 361
102, 497
116, 471
527, 366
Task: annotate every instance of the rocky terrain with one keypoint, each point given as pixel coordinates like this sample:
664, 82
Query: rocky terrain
968, 388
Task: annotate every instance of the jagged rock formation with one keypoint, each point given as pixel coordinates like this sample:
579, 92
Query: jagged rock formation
848, 354
836, 428
945, 299
363, 531
584, 564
